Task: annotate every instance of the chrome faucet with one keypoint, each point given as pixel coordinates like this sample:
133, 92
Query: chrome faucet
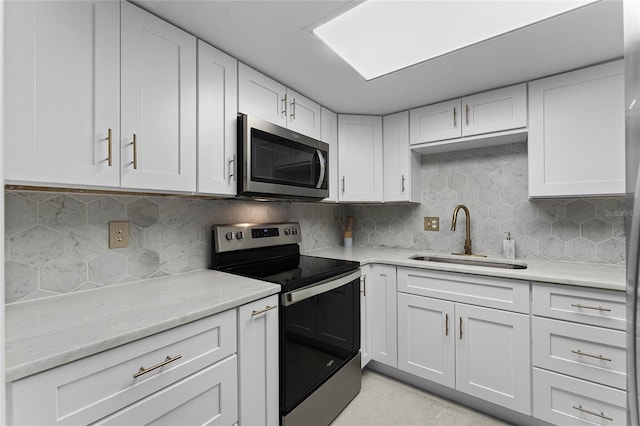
467, 241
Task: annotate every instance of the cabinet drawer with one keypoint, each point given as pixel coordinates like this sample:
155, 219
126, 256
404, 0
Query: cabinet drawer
89, 389
602, 356
205, 398
563, 400
606, 308
499, 293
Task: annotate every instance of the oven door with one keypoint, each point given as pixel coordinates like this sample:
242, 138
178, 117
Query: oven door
279, 162
320, 329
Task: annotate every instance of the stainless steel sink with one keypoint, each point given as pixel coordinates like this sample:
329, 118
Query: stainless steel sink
477, 261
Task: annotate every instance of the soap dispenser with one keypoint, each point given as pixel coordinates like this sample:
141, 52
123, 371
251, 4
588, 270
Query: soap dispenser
508, 247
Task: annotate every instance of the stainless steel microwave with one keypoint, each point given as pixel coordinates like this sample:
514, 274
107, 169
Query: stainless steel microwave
279, 163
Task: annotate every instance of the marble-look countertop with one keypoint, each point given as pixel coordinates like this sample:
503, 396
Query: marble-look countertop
597, 275
46, 333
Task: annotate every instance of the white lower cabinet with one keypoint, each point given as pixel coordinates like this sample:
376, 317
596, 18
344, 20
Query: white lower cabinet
480, 351
579, 355
383, 293
258, 354
188, 375
365, 315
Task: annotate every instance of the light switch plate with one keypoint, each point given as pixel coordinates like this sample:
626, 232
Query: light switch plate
118, 234
431, 223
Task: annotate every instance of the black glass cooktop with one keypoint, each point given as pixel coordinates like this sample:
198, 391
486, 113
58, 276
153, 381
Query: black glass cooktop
296, 271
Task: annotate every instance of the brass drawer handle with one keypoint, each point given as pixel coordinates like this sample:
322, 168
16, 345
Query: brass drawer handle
135, 151
162, 364
596, 308
600, 357
109, 147
446, 327
262, 311
601, 415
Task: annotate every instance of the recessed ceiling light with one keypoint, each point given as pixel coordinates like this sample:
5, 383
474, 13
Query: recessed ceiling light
382, 36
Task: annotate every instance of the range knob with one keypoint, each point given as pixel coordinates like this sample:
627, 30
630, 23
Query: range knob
287, 231
229, 236
239, 235
294, 231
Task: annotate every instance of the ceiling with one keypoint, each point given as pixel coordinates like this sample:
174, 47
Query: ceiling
275, 38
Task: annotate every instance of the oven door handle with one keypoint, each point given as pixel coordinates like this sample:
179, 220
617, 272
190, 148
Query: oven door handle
304, 293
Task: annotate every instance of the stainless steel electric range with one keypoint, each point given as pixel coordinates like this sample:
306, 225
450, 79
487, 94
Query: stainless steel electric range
319, 333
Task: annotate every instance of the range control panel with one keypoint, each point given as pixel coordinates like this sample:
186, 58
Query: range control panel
248, 235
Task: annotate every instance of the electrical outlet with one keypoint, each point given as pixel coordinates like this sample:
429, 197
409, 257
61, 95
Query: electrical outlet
118, 234
431, 223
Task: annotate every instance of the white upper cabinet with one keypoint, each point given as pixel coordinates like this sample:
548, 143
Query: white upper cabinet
330, 135
494, 111
360, 154
217, 118
401, 165
265, 98
158, 110
576, 133
260, 96
62, 68
489, 112
436, 122
303, 115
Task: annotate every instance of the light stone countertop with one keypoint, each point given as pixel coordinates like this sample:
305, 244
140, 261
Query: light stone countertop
597, 275
46, 333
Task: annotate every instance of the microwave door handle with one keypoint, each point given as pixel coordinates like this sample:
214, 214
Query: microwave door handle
322, 168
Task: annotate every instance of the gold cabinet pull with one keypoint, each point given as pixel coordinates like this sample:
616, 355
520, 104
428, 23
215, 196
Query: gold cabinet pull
293, 109
601, 415
232, 173
109, 148
460, 328
600, 357
446, 326
284, 105
455, 124
597, 308
161, 364
262, 311
467, 113
135, 151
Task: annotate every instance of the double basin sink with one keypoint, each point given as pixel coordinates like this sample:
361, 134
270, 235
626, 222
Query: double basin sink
472, 260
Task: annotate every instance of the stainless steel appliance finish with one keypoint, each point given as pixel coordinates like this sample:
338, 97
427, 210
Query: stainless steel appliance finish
279, 163
632, 202
319, 316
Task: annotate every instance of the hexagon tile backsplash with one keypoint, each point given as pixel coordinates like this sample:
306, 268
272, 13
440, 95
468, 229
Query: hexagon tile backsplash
492, 183
56, 243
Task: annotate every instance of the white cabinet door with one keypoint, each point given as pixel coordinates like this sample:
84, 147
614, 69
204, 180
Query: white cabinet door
576, 133
303, 115
495, 111
426, 338
401, 165
158, 104
260, 96
330, 136
435, 122
62, 67
258, 362
208, 397
383, 291
360, 153
493, 360
365, 315
217, 118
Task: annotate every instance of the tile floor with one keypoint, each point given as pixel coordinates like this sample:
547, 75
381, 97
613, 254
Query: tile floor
386, 401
